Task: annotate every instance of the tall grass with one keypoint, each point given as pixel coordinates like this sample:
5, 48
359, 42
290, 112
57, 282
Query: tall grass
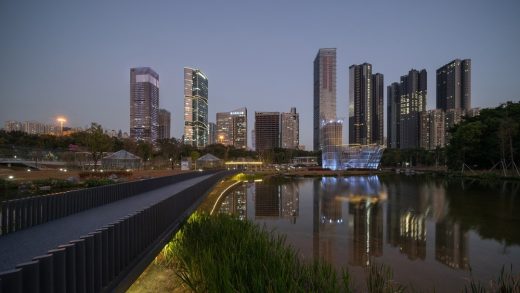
506, 282
379, 279
222, 254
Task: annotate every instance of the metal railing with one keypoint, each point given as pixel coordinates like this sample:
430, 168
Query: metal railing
19, 214
100, 260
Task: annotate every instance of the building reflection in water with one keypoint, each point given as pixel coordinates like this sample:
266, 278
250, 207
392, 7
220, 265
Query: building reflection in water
355, 207
366, 215
406, 219
277, 201
451, 245
235, 202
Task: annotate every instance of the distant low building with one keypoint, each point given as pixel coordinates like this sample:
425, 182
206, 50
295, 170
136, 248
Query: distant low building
121, 160
208, 161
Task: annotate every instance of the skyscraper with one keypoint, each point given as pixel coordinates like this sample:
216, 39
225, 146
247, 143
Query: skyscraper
232, 128
393, 115
212, 133
378, 109
454, 85
365, 105
324, 91
290, 130
413, 90
224, 128
164, 124
144, 104
267, 130
195, 108
239, 122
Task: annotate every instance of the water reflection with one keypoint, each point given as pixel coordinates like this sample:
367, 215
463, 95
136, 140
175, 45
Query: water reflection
425, 229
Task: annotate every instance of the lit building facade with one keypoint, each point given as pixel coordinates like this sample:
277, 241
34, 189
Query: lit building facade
195, 108
232, 128
432, 125
267, 130
324, 91
454, 85
164, 124
224, 128
332, 148
144, 104
290, 129
365, 105
413, 90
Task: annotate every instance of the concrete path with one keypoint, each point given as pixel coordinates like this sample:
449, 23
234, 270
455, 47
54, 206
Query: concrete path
23, 245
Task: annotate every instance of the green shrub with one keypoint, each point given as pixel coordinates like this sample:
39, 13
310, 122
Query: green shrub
105, 174
7, 184
93, 182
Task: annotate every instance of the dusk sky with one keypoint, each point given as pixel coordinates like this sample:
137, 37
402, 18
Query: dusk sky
73, 58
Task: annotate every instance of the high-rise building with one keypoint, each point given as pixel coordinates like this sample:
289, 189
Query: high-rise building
431, 129
144, 104
378, 135
224, 128
164, 124
454, 85
232, 128
365, 105
413, 89
239, 123
195, 108
212, 133
393, 115
453, 117
324, 91
290, 130
267, 130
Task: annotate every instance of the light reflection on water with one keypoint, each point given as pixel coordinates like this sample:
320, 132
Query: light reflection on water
430, 232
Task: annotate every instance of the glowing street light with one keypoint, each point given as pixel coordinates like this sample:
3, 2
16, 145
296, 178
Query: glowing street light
61, 120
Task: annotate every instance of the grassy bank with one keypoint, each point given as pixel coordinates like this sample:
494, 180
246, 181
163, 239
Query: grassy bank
222, 254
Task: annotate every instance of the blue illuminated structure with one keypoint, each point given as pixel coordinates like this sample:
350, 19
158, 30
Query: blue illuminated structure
364, 157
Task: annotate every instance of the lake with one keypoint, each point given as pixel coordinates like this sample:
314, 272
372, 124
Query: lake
433, 233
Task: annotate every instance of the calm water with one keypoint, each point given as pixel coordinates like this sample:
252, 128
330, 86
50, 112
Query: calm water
430, 232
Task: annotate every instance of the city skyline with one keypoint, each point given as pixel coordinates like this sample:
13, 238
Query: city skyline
44, 44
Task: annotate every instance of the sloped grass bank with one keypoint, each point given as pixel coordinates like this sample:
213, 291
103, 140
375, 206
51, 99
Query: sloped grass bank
222, 254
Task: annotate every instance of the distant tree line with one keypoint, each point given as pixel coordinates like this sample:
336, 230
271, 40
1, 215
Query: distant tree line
489, 140
167, 152
483, 141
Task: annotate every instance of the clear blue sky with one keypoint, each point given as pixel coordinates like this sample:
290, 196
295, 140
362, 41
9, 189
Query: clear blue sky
73, 57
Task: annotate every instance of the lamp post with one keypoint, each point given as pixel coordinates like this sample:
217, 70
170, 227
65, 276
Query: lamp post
61, 120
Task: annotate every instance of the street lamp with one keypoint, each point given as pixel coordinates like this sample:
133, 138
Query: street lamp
221, 138
61, 120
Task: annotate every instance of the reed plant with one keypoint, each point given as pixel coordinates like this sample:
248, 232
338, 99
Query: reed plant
506, 282
223, 254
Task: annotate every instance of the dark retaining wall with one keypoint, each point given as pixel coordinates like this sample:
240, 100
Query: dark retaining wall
107, 257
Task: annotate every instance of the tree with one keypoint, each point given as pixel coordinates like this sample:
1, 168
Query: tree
144, 150
170, 149
96, 142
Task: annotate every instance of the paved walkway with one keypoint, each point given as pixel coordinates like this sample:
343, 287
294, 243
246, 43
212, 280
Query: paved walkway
23, 245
